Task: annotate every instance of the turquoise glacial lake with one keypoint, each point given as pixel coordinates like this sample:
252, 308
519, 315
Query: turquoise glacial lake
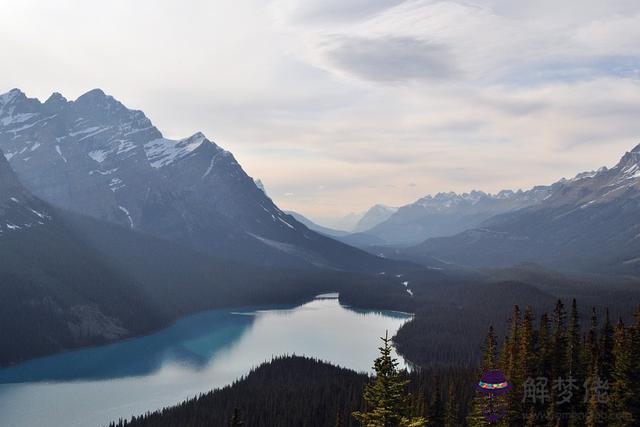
93, 386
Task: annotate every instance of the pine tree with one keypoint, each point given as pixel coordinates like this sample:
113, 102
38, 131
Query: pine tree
526, 366
436, 408
559, 341
633, 404
592, 352
621, 376
594, 413
574, 366
490, 354
558, 352
512, 346
606, 349
544, 347
476, 416
235, 419
451, 409
387, 403
511, 358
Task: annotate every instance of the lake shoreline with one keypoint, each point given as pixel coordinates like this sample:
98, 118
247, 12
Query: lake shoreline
163, 325
199, 353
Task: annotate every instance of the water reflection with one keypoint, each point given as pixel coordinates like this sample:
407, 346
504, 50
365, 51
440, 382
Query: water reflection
198, 353
192, 341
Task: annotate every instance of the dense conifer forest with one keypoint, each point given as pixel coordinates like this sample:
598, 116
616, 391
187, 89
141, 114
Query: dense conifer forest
297, 391
563, 372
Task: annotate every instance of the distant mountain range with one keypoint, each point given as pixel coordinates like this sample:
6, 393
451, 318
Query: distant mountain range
589, 223
95, 157
446, 214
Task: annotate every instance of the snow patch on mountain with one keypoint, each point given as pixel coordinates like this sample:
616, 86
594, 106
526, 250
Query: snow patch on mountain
163, 151
126, 212
98, 155
59, 151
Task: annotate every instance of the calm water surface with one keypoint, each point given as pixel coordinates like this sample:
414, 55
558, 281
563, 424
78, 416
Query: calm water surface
94, 386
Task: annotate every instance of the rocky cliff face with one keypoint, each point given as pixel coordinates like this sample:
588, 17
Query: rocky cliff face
96, 157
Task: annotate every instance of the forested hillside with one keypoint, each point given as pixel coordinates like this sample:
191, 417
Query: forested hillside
562, 372
296, 391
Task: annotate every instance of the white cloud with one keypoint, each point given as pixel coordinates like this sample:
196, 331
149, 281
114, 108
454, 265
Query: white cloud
343, 103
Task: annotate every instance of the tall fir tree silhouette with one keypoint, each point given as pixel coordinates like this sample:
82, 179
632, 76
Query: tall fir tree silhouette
387, 403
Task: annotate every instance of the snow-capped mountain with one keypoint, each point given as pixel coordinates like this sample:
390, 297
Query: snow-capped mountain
591, 222
449, 213
377, 214
98, 158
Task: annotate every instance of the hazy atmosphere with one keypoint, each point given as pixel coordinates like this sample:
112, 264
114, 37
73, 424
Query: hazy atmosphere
319, 213
360, 101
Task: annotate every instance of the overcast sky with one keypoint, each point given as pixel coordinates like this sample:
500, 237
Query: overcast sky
337, 105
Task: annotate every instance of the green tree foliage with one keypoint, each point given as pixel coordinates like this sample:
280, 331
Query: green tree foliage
451, 409
388, 404
436, 410
476, 415
236, 421
296, 391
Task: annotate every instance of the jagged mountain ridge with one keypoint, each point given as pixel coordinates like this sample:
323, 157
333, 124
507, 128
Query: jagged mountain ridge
98, 158
590, 222
446, 214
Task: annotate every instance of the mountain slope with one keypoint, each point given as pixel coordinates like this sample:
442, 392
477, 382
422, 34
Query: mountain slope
375, 215
96, 157
591, 222
55, 291
359, 240
317, 227
287, 391
67, 280
446, 214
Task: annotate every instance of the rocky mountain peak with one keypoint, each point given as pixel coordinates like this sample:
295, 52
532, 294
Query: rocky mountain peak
15, 103
97, 105
96, 157
630, 158
94, 95
55, 102
14, 93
